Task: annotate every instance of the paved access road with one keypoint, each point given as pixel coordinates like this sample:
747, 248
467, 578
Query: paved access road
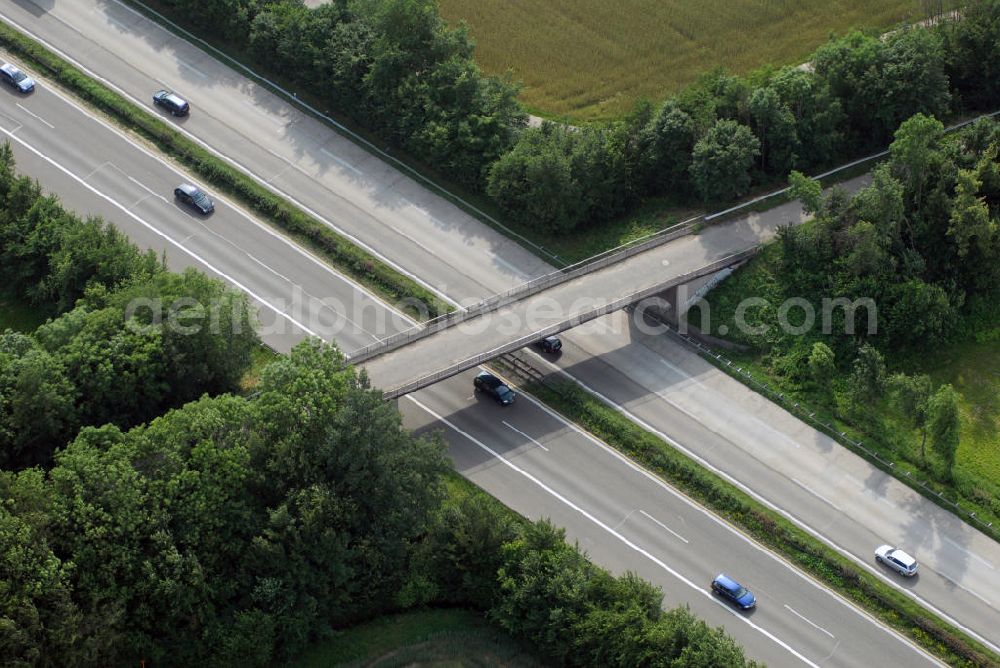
426, 235
626, 519
98, 171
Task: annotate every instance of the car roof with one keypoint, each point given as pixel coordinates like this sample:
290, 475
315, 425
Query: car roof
727, 582
903, 558
189, 189
170, 95
9, 67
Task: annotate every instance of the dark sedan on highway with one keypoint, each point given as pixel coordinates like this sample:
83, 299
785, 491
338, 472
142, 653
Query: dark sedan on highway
494, 387
194, 197
172, 102
550, 344
15, 78
733, 591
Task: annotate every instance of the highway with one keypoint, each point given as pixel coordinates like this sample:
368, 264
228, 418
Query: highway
625, 518
97, 171
426, 235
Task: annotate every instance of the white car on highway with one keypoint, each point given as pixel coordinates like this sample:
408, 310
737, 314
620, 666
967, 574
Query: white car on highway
896, 559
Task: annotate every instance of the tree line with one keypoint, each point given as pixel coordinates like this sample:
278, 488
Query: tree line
922, 242
396, 68
84, 366
150, 511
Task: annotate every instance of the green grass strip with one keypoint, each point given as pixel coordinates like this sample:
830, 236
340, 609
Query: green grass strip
362, 266
765, 525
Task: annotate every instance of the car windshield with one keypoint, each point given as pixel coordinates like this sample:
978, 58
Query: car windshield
740, 592
503, 391
19, 76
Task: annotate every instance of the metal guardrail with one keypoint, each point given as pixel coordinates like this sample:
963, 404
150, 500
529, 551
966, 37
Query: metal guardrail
598, 261
809, 417
522, 291
569, 323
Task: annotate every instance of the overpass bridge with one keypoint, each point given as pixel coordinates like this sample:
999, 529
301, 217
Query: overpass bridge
463, 339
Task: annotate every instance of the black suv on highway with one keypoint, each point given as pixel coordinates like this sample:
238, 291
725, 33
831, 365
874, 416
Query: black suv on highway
171, 102
496, 388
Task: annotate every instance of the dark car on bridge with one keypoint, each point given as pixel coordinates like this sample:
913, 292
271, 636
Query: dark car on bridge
733, 591
550, 344
172, 102
494, 387
194, 197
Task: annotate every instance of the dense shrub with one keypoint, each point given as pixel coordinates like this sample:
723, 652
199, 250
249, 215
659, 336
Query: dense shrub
111, 354
395, 67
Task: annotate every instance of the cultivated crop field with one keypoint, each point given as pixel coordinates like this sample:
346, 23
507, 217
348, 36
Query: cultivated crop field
590, 59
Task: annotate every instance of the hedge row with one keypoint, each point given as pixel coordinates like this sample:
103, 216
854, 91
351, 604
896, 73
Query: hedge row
765, 525
359, 264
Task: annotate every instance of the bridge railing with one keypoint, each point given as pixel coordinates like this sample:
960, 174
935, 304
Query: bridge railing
610, 307
526, 289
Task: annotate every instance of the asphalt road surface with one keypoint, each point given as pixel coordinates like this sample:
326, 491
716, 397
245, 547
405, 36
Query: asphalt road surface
99, 171
426, 235
626, 519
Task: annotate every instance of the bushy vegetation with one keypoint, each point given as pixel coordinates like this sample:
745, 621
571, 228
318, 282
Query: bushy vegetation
86, 366
395, 67
303, 228
231, 529
765, 525
922, 243
591, 60
424, 637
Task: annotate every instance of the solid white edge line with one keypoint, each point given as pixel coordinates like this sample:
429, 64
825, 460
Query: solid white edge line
265, 228
816, 494
794, 569
156, 231
253, 175
441, 295
701, 590
799, 523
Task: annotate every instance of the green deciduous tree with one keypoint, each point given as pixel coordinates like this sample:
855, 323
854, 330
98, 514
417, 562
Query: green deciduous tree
943, 426
534, 182
972, 54
868, 375
37, 403
911, 396
970, 225
774, 126
822, 365
806, 190
913, 151
721, 161
668, 141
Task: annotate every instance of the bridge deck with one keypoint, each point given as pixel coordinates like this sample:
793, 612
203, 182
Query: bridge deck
481, 338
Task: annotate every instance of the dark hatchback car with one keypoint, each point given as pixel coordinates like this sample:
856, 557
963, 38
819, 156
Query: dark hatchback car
171, 102
733, 591
194, 197
15, 78
550, 344
496, 388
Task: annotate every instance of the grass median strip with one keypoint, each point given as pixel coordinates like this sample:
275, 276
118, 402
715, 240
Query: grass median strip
362, 266
765, 525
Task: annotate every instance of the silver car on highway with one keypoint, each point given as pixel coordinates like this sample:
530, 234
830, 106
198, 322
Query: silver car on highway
896, 559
